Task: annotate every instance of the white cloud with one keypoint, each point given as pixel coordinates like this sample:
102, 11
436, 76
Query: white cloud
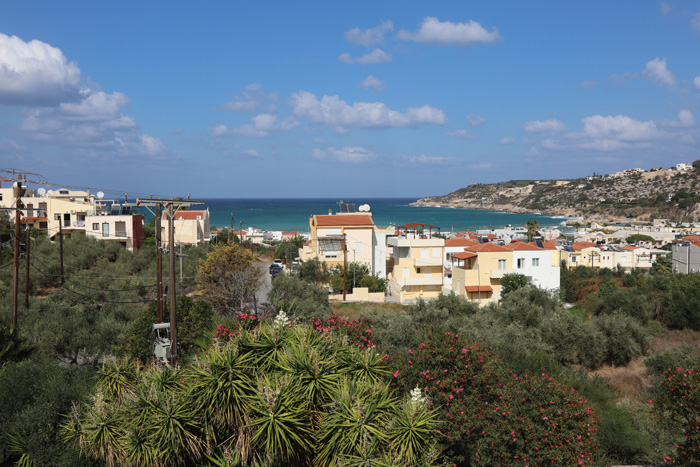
506, 140
475, 120
331, 110
620, 127
544, 126
94, 126
36, 74
656, 73
346, 154
428, 160
696, 82
685, 120
372, 58
263, 125
666, 8
372, 82
695, 22
462, 134
371, 36
482, 166
433, 31
252, 100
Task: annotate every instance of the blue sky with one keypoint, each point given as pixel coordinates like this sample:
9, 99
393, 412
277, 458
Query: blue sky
359, 99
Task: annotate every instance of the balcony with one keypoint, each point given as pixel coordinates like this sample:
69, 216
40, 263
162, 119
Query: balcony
421, 280
427, 262
498, 273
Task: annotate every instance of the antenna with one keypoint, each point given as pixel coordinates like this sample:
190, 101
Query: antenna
41, 191
100, 194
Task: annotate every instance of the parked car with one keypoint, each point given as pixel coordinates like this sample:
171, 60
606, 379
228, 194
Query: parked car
275, 269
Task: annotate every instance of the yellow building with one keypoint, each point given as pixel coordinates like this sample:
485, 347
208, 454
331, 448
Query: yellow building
477, 272
364, 242
416, 263
581, 254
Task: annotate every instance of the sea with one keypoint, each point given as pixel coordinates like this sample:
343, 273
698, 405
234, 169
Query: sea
292, 215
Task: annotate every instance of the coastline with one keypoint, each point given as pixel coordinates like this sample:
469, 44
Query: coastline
568, 214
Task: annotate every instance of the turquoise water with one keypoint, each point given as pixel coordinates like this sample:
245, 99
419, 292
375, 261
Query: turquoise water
293, 214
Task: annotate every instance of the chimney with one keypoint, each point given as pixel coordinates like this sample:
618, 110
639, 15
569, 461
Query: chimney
330, 212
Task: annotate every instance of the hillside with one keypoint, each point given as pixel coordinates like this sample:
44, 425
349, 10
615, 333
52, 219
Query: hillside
662, 193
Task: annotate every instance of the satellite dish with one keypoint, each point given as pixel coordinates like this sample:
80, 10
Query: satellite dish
49, 193
364, 208
41, 191
100, 194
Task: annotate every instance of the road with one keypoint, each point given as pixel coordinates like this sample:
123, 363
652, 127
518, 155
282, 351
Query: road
261, 295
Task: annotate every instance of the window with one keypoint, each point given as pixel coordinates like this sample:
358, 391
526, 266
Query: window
502, 264
436, 252
535, 262
358, 247
105, 229
418, 270
120, 228
521, 263
96, 226
424, 253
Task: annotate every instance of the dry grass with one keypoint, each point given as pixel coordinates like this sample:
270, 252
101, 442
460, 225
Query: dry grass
631, 380
355, 310
672, 338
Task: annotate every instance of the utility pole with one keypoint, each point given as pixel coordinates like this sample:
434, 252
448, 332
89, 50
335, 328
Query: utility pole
345, 267
171, 286
26, 274
15, 275
60, 242
159, 266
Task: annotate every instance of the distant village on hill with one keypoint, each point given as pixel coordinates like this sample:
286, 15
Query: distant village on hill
629, 196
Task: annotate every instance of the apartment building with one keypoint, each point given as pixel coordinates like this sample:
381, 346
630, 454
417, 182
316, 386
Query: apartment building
117, 226
364, 242
416, 263
191, 227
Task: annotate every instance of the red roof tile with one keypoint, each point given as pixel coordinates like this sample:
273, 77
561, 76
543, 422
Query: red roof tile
187, 215
547, 245
582, 245
485, 248
476, 288
520, 246
344, 219
464, 255
460, 242
691, 238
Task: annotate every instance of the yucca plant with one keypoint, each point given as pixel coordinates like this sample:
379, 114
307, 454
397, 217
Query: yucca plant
355, 422
367, 364
220, 385
118, 379
170, 425
412, 433
17, 446
280, 428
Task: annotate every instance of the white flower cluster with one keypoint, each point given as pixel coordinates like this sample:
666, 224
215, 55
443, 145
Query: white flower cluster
417, 396
281, 319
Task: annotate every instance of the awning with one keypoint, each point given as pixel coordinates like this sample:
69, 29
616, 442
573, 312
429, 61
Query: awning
477, 288
464, 255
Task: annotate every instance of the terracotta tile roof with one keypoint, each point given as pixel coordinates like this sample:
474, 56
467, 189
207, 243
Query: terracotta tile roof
307, 243
630, 247
691, 238
476, 288
582, 245
187, 215
520, 246
290, 233
343, 220
460, 242
486, 248
548, 245
464, 255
